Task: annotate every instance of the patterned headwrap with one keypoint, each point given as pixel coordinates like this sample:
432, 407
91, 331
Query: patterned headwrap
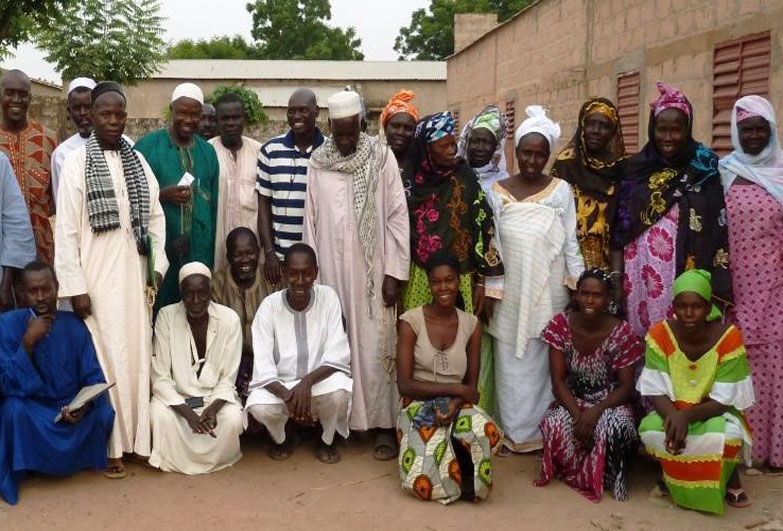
671, 98
744, 114
437, 126
598, 274
400, 102
493, 120
697, 281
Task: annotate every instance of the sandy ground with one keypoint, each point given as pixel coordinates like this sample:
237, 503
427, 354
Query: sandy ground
357, 493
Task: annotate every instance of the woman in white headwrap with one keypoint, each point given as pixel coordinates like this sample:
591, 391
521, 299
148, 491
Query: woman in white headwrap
536, 222
752, 177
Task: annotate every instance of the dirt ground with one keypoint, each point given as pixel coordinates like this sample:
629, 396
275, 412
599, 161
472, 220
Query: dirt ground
357, 493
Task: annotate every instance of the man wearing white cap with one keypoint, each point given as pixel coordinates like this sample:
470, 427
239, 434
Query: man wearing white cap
356, 219
195, 411
186, 167
78, 110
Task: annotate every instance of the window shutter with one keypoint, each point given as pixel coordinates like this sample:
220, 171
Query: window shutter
740, 67
628, 109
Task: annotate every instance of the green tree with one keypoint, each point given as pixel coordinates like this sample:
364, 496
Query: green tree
430, 35
254, 111
18, 18
215, 48
106, 39
297, 29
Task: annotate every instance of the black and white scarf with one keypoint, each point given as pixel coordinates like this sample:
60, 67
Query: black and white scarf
102, 207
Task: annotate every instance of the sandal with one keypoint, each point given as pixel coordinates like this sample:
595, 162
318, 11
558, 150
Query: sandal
738, 498
385, 447
115, 470
280, 452
327, 454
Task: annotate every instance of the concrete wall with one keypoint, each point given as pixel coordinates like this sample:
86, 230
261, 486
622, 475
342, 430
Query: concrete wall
560, 52
470, 26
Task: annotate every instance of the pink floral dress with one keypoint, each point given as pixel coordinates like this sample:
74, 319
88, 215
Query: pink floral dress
591, 378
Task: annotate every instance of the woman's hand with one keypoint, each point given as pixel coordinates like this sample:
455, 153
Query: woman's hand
447, 417
584, 425
676, 428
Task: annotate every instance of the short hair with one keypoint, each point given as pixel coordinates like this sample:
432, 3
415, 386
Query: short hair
301, 248
231, 239
228, 97
442, 258
36, 266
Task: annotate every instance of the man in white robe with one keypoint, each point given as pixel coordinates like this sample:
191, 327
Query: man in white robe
302, 359
195, 411
104, 249
237, 156
356, 219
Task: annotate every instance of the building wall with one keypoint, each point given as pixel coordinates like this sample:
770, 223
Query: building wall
560, 52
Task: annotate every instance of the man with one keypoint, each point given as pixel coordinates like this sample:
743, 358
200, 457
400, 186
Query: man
110, 230
17, 245
29, 146
237, 156
191, 209
356, 219
78, 109
46, 357
196, 414
207, 126
241, 287
302, 359
282, 181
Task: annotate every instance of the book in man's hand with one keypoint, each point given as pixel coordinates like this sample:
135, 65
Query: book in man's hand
87, 394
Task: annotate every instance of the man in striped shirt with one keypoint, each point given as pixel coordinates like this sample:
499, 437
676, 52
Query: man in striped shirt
282, 181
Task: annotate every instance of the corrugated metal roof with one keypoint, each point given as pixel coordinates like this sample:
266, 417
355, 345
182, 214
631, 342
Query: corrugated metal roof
314, 70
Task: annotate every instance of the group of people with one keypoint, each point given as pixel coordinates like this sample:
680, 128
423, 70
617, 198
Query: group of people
409, 285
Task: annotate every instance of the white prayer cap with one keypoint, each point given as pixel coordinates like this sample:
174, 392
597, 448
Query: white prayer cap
194, 268
188, 90
538, 122
344, 104
81, 82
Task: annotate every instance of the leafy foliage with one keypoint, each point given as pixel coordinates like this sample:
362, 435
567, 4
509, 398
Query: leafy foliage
254, 110
215, 48
105, 39
430, 35
18, 18
297, 29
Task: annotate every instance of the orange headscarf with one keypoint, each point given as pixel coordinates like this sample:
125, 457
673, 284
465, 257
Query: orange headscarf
400, 102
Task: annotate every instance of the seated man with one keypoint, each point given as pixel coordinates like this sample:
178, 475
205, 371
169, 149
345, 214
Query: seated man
46, 357
301, 359
242, 287
195, 411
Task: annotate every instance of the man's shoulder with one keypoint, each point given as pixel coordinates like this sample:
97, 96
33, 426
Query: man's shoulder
150, 139
224, 313
327, 293
13, 317
275, 143
254, 144
71, 320
72, 142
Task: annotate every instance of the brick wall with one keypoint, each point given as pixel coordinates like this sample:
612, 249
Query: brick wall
559, 52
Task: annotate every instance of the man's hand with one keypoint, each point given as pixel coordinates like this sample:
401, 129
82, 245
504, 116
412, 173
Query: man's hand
479, 299
208, 419
489, 307
73, 417
301, 398
194, 421
158, 281
82, 305
37, 328
584, 425
273, 269
6, 290
178, 195
390, 291
676, 428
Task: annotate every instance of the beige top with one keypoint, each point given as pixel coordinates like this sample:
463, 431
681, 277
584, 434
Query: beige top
440, 366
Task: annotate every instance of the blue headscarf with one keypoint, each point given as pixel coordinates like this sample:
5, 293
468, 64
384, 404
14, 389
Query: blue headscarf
436, 127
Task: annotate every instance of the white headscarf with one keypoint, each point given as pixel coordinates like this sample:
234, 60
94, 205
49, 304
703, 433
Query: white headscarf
764, 169
188, 90
538, 122
193, 268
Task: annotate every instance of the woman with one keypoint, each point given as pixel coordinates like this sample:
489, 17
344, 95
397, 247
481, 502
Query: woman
590, 432
482, 145
671, 216
752, 178
437, 375
592, 164
697, 376
537, 229
448, 210
398, 120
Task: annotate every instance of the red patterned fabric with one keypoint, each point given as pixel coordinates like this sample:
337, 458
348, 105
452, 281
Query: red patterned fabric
30, 152
756, 243
590, 378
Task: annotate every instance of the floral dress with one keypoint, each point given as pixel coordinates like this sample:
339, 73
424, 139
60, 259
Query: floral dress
590, 378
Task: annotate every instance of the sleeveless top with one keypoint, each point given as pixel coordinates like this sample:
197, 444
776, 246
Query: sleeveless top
440, 366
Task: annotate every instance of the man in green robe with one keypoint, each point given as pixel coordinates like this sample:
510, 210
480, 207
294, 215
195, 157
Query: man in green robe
186, 167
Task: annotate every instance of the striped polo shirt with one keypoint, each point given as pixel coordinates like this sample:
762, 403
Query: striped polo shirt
282, 176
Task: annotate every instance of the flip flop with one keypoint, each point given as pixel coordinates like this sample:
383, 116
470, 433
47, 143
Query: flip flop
115, 472
738, 498
385, 447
